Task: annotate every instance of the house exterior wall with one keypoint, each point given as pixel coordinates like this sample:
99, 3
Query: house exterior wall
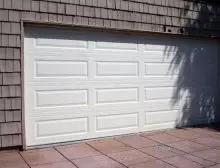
162, 16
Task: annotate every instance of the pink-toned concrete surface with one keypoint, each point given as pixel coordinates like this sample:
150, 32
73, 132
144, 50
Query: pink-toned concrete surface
179, 148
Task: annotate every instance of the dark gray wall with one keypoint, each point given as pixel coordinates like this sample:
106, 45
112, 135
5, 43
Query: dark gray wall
170, 16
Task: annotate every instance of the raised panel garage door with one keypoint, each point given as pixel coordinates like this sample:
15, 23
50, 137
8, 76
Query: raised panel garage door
82, 84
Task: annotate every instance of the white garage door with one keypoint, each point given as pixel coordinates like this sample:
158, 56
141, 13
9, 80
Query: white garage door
87, 84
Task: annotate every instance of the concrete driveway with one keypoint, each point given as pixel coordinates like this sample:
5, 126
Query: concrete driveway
180, 148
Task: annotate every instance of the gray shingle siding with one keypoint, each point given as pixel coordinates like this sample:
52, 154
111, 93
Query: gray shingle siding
170, 16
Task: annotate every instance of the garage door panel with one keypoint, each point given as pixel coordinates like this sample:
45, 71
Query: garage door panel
117, 95
116, 46
60, 43
161, 117
54, 98
113, 122
161, 105
161, 69
160, 93
116, 69
58, 99
61, 68
157, 57
160, 81
62, 127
